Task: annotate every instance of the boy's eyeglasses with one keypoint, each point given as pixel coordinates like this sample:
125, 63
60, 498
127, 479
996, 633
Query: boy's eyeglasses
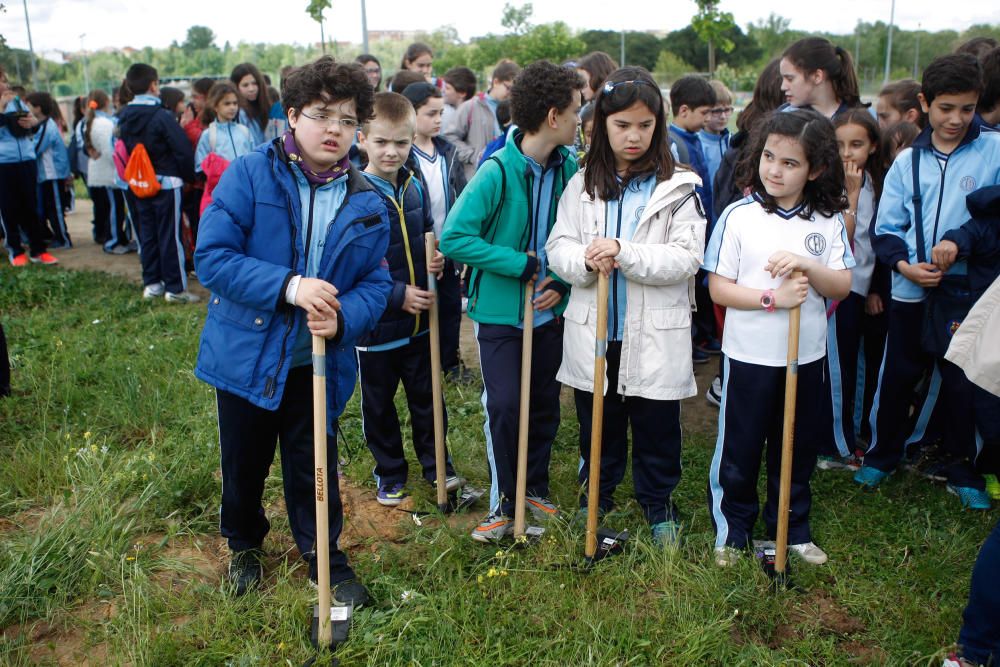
609, 87
349, 124
720, 111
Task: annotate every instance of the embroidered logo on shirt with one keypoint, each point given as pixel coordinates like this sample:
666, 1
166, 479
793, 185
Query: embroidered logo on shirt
968, 183
815, 244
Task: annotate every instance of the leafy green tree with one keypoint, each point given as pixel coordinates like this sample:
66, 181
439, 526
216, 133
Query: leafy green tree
315, 10
686, 44
198, 37
641, 48
517, 19
712, 27
669, 67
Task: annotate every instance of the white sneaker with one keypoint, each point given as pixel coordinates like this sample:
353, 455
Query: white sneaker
152, 291
452, 483
727, 556
810, 553
181, 297
714, 393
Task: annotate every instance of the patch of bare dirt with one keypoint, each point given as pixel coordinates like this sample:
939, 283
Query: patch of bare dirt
187, 560
66, 643
26, 520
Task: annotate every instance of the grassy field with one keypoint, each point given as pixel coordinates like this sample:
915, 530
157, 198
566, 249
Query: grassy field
109, 551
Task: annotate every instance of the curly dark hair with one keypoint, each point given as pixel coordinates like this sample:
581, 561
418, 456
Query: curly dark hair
328, 81
600, 177
814, 132
539, 87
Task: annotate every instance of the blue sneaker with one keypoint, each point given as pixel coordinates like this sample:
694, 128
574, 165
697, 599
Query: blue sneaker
699, 356
869, 477
972, 499
667, 534
391, 495
710, 346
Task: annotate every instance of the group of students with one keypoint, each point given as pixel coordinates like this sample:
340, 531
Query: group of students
880, 224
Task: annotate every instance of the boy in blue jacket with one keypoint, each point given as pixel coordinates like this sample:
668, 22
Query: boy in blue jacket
951, 158
398, 350
291, 246
158, 219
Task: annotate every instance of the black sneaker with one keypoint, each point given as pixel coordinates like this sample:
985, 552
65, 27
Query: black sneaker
245, 570
351, 592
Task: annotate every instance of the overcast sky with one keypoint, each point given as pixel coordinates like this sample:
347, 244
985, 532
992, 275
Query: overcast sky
57, 24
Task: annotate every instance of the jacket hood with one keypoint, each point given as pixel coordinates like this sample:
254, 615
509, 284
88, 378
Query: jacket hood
984, 203
134, 118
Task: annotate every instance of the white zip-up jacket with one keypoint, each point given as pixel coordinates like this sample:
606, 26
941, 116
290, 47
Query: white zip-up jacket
659, 263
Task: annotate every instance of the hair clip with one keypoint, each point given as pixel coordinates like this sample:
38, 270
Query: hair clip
92, 104
609, 86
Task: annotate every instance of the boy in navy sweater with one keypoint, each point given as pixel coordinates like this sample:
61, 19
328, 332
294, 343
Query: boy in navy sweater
158, 218
398, 349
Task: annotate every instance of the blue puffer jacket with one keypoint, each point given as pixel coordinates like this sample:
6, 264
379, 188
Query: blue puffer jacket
250, 245
51, 153
409, 219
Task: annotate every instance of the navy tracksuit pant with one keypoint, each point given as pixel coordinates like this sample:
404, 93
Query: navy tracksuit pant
19, 208
500, 360
449, 293
902, 365
751, 417
979, 638
110, 217
380, 374
247, 436
158, 220
50, 211
656, 445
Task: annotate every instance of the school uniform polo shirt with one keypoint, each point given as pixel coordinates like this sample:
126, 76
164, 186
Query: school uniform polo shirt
743, 240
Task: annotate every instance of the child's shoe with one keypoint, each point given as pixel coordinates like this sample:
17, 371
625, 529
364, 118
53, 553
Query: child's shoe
152, 291
837, 463
350, 593
869, 477
727, 556
971, 498
19, 260
992, 486
667, 534
699, 356
43, 258
245, 571
451, 483
494, 527
181, 297
714, 393
541, 508
810, 553
391, 495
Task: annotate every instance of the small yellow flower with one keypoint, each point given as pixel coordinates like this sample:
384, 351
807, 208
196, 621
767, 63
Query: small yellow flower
492, 572
498, 554
93, 448
281, 646
503, 573
130, 558
479, 579
65, 458
144, 477
67, 436
86, 435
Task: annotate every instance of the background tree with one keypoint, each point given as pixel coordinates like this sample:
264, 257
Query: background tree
198, 37
641, 48
686, 44
315, 10
517, 19
712, 26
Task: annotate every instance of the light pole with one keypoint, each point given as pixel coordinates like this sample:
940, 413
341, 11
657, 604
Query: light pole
888, 46
364, 29
622, 59
31, 48
86, 74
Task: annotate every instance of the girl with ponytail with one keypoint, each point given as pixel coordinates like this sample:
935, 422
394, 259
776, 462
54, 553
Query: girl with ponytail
110, 214
817, 75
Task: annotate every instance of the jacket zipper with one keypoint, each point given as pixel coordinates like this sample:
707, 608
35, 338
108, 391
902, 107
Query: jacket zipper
614, 278
270, 385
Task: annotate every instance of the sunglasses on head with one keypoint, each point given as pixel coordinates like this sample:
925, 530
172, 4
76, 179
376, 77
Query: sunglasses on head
609, 86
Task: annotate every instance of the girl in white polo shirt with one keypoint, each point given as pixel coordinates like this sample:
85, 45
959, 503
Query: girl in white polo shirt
791, 222
635, 217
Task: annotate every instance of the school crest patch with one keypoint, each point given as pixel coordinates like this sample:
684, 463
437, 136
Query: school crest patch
815, 244
968, 183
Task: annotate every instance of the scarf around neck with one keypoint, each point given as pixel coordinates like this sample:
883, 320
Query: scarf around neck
313, 177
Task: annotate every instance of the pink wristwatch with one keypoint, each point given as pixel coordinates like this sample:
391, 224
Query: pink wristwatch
767, 300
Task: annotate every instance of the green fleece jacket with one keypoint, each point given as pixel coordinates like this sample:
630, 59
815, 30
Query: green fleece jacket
488, 229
